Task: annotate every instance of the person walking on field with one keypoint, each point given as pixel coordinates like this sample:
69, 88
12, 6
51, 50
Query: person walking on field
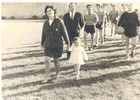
106, 20
91, 20
78, 55
113, 15
99, 25
120, 13
74, 22
137, 11
52, 42
131, 24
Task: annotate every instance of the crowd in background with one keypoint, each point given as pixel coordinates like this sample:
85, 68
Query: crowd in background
93, 22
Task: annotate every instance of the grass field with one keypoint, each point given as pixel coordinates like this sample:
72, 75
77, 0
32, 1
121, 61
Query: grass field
106, 76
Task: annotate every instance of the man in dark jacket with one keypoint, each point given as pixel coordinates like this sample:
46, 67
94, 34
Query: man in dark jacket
74, 22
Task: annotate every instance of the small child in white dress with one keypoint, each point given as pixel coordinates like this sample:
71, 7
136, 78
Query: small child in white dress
78, 55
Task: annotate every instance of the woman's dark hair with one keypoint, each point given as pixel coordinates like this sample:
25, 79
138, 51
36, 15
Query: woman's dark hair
48, 6
88, 5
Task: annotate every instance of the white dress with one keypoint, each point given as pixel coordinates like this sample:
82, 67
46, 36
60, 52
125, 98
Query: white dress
78, 55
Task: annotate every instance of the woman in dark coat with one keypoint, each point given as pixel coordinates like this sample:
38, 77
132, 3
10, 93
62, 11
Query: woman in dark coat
52, 42
129, 21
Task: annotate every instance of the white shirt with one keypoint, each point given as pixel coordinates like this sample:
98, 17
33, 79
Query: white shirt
71, 14
50, 21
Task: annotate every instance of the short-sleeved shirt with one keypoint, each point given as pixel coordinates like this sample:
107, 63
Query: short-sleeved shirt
100, 15
113, 15
90, 19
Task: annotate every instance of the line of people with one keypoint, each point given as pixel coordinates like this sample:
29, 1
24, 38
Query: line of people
70, 27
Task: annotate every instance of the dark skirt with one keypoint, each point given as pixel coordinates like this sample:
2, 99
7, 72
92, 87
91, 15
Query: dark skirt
53, 52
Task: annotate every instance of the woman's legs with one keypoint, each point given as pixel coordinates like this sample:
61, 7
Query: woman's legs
57, 66
47, 68
77, 67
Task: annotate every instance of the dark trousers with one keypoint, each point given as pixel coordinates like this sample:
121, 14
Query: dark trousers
68, 55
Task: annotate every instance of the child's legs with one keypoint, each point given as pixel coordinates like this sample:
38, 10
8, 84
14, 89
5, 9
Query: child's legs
127, 46
77, 67
47, 66
57, 66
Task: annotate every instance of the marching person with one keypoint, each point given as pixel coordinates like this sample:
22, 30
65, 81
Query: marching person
120, 13
74, 22
130, 23
91, 20
78, 55
113, 18
99, 25
52, 42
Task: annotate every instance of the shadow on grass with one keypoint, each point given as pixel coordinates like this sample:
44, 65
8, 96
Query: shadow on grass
73, 83
22, 85
107, 64
40, 54
86, 67
27, 54
92, 64
32, 72
92, 80
33, 46
11, 67
109, 45
7, 97
23, 52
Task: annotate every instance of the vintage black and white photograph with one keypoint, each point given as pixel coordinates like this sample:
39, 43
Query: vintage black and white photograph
70, 50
